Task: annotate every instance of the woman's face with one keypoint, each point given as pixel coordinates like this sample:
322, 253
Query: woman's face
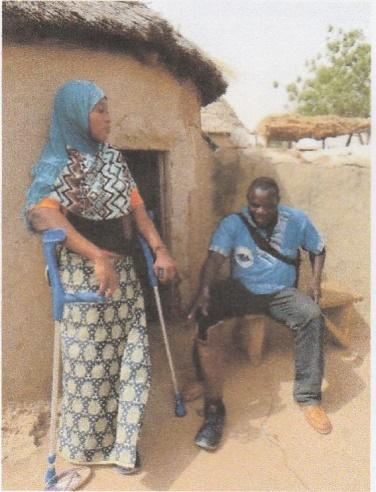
100, 121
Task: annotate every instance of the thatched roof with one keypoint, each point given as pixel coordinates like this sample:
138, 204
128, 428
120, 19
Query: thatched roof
219, 117
293, 127
125, 26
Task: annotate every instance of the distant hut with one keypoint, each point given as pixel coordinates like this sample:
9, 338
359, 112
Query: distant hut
157, 82
223, 127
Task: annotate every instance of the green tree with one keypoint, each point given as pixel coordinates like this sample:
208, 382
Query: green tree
337, 82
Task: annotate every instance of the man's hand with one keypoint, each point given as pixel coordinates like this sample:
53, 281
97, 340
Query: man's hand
314, 290
209, 271
164, 266
314, 286
106, 273
201, 303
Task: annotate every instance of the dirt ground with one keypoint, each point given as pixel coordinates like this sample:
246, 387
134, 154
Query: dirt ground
267, 444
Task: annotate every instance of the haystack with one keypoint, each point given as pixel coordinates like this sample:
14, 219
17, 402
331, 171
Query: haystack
293, 127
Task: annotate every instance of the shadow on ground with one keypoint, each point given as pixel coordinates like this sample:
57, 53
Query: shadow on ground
264, 431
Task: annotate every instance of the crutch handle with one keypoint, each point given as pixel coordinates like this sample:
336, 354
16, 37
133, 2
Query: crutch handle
50, 239
153, 281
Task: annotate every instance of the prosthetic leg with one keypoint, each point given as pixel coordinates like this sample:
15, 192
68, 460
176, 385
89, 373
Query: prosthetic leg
210, 355
194, 389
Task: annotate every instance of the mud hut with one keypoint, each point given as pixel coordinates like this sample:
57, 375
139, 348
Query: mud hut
157, 82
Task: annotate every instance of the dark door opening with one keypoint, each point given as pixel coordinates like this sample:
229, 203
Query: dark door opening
147, 170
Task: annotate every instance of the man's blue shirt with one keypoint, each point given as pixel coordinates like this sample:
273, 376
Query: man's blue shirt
259, 271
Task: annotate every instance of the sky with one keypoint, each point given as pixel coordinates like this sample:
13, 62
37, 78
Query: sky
260, 41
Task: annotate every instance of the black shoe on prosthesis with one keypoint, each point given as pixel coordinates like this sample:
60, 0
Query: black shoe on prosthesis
210, 433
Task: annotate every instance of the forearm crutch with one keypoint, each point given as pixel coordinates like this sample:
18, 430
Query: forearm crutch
69, 479
179, 405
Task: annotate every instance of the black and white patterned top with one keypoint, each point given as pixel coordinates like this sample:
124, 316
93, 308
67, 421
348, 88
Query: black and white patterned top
95, 187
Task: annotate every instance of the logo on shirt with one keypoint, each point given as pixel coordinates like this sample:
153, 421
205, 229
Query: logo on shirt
243, 257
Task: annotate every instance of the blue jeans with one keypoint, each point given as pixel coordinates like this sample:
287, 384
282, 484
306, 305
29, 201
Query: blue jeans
229, 298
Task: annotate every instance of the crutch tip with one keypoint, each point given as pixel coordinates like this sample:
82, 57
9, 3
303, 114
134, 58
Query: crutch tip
50, 478
179, 407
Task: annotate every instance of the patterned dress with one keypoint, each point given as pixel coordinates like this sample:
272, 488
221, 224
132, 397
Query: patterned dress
105, 352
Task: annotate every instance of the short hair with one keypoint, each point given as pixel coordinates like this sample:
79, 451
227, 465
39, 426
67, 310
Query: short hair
264, 183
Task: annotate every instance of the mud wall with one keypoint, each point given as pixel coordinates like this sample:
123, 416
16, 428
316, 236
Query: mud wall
151, 111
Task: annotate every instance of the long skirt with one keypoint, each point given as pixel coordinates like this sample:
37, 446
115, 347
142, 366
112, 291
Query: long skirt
106, 367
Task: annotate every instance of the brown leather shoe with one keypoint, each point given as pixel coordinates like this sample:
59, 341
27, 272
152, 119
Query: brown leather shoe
317, 418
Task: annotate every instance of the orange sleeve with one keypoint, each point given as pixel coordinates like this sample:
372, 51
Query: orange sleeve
47, 202
136, 199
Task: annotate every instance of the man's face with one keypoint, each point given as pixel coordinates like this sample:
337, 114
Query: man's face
263, 206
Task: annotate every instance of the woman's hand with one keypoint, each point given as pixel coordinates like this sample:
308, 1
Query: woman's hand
46, 218
106, 274
164, 266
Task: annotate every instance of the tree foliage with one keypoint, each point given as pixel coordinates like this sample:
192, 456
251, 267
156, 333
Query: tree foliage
338, 82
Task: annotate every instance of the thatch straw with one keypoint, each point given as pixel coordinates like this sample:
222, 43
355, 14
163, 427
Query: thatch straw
293, 127
124, 26
219, 117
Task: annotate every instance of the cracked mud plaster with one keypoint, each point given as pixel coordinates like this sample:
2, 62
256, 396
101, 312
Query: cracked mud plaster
274, 440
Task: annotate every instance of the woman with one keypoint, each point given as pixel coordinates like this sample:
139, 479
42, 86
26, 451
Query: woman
83, 185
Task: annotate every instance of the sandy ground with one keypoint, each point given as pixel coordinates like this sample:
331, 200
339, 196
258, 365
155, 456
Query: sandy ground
267, 444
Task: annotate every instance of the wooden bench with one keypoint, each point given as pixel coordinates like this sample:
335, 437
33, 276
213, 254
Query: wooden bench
254, 326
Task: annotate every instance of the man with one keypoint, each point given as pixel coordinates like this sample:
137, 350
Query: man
263, 243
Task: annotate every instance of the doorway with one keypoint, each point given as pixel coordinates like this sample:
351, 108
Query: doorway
145, 167
148, 169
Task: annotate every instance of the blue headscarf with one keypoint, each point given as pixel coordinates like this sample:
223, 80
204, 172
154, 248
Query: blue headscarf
69, 127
